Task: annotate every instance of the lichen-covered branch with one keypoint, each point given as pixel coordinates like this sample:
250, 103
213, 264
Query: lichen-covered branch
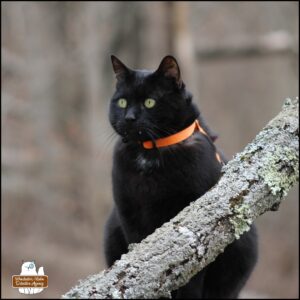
253, 182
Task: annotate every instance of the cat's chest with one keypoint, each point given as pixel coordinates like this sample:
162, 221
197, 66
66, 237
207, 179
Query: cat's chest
162, 173
145, 163
157, 175
151, 189
160, 160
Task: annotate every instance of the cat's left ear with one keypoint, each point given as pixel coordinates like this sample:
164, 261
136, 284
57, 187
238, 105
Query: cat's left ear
169, 68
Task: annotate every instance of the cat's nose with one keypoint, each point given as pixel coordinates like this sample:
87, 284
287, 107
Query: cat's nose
130, 117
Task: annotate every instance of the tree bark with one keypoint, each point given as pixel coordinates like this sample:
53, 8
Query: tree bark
253, 182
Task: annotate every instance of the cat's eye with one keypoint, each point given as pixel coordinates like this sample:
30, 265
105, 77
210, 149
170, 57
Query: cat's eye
149, 103
122, 102
31, 266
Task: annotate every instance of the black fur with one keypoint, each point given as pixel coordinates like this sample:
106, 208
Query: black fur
152, 186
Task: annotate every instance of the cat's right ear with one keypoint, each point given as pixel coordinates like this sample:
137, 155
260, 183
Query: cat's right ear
119, 68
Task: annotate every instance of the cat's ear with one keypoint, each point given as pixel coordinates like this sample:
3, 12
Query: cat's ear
119, 68
169, 68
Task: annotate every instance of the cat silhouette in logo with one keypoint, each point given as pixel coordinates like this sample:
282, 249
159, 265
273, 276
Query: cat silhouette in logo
29, 268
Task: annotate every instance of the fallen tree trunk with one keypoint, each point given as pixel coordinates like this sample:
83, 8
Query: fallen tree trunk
252, 183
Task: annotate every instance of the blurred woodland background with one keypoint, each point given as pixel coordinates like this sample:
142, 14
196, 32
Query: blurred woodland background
239, 59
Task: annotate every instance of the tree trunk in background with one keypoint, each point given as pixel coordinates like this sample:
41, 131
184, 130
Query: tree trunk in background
180, 42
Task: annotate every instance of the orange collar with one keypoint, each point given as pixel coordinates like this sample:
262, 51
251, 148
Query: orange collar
178, 137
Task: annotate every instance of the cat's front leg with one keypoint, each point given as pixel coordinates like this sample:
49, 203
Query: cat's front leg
192, 290
114, 240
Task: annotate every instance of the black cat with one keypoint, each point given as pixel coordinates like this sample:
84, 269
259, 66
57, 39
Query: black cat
150, 186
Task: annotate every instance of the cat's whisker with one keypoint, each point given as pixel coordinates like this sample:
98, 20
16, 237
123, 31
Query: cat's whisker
108, 141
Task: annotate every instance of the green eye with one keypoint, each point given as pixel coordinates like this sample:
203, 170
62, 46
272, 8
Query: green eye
122, 103
149, 103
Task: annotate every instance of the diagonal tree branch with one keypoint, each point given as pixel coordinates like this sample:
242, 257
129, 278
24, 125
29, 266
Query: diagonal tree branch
254, 182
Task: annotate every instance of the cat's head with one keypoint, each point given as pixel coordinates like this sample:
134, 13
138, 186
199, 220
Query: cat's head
28, 267
148, 105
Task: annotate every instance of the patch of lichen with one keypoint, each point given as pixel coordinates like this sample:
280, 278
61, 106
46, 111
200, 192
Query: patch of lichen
240, 219
280, 170
238, 199
250, 149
